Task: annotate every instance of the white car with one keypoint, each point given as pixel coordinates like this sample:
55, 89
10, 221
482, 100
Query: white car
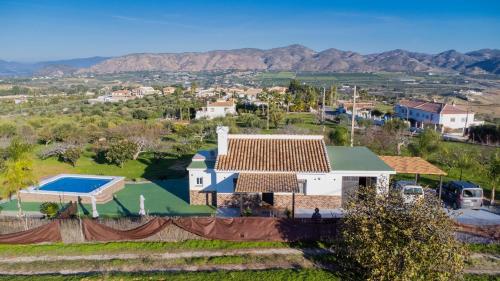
410, 191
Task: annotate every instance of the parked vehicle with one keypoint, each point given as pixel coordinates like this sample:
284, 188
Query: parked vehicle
463, 194
410, 191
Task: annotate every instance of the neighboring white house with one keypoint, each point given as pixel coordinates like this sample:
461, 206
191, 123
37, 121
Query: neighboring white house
443, 116
220, 108
143, 91
283, 171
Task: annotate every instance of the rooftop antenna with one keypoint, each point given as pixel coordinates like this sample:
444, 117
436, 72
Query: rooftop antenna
352, 117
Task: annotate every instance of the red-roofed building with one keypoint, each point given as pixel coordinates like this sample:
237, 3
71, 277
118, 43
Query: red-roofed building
441, 115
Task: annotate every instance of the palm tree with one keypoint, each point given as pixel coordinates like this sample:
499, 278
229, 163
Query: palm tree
18, 171
493, 171
464, 160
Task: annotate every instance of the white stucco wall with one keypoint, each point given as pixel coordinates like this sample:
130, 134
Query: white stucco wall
320, 184
434, 118
459, 122
224, 181
215, 111
208, 179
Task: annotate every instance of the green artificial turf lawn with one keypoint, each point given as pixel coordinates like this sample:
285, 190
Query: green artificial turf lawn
166, 198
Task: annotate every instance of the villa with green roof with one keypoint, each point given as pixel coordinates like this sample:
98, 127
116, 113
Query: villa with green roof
282, 172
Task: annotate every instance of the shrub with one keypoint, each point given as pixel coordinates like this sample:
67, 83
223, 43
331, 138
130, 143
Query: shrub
121, 151
247, 212
71, 155
49, 209
388, 239
140, 114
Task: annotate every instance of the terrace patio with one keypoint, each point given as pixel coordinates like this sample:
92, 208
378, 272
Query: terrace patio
163, 198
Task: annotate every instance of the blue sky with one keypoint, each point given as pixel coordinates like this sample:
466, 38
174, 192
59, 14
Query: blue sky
46, 30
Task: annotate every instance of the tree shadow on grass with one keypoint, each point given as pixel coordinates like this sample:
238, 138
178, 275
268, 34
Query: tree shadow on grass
84, 210
178, 187
165, 167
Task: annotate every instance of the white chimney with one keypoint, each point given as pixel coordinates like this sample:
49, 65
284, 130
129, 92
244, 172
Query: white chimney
222, 142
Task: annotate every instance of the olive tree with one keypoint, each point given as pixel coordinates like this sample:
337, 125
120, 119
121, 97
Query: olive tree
493, 172
428, 142
120, 151
389, 239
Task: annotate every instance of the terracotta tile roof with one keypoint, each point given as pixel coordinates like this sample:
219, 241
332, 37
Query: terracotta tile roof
433, 107
275, 155
267, 182
412, 165
222, 103
451, 109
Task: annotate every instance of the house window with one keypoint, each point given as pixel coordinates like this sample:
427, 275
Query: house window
302, 186
452, 119
199, 181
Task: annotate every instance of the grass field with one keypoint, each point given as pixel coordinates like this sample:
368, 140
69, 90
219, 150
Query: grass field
59, 249
166, 198
250, 275
145, 167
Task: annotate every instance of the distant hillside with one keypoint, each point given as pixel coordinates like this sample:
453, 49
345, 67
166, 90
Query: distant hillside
300, 58
293, 58
60, 67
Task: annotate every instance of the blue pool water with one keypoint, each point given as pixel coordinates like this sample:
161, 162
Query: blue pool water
72, 184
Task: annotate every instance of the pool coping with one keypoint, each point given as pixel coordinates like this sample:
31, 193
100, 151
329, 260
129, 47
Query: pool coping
34, 188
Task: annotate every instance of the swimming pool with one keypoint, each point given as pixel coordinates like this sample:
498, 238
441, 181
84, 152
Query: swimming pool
70, 187
74, 184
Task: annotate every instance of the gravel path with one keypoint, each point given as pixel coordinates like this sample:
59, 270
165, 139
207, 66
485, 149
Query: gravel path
177, 255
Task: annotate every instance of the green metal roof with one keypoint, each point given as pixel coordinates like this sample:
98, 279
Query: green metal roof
201, 165
359, 158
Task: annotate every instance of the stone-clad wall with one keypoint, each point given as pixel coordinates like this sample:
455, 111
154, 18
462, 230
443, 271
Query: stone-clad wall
308, 201
280, 201
200, 198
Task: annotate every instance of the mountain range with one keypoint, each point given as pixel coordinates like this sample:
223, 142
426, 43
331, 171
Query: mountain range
292, 58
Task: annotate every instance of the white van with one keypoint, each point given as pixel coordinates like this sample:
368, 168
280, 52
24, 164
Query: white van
410, 191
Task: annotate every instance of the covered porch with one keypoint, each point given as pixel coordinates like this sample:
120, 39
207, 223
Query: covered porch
268, 194
416, 166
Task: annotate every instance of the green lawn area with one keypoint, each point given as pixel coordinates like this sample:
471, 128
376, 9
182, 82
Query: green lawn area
166, 198
309, 122
145, 167
60, 249
275, 274
250, 275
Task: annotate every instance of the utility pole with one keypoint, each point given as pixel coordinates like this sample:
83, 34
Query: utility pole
323, 107
353, 116
323, 110
268, 107
466, 118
